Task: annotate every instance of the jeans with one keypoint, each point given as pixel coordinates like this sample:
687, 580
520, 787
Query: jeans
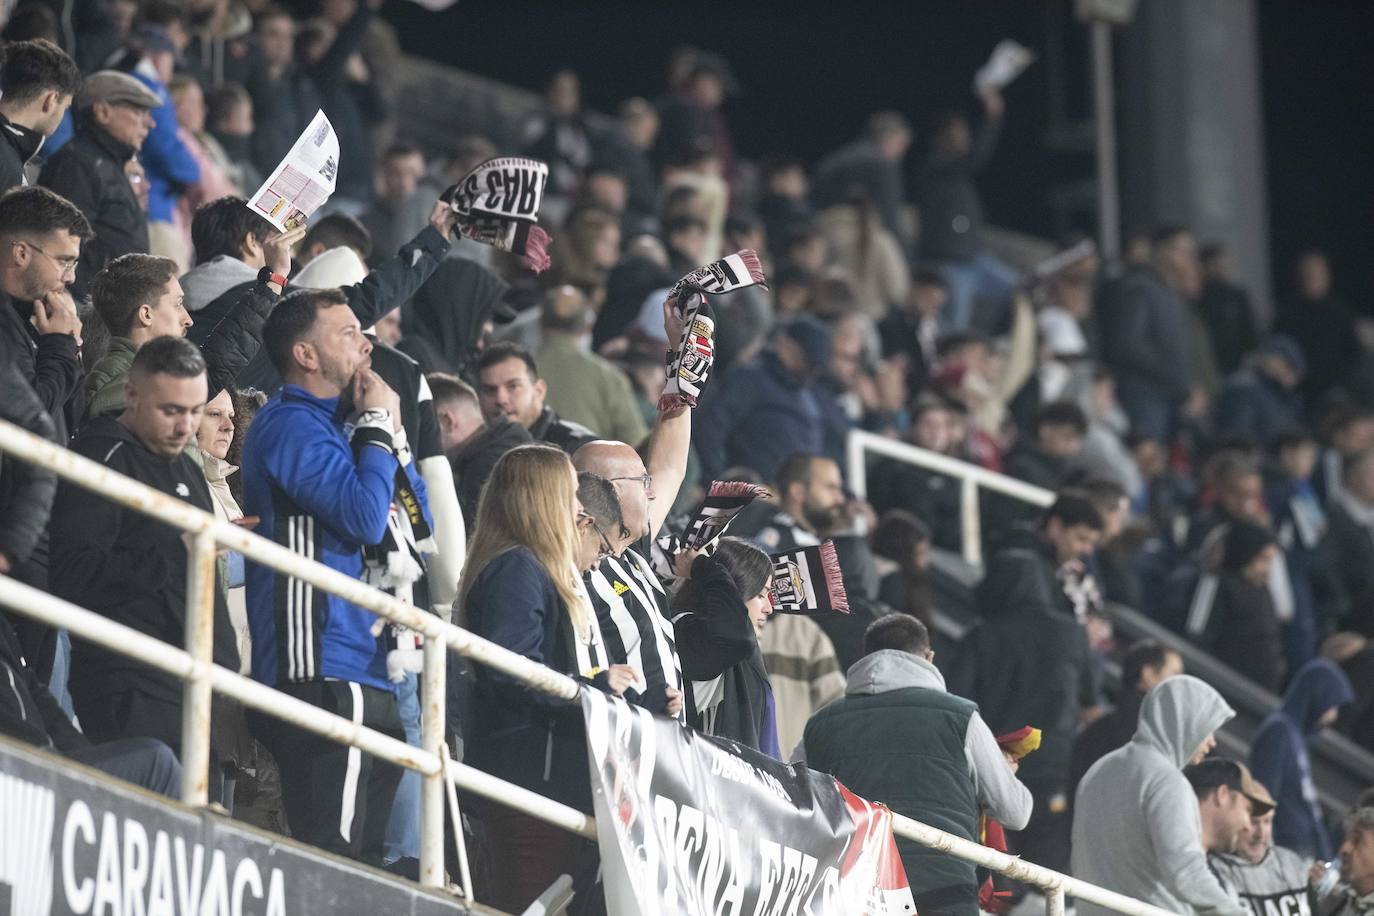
403, 828
144, 762
61, 671
986, 280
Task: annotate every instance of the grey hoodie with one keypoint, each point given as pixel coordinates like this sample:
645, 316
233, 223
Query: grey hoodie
206, 282
1136, 826
997, 789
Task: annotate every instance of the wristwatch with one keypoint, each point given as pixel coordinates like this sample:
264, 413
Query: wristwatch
266, 275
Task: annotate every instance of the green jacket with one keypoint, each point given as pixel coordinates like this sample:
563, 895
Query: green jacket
589, 390
105, 381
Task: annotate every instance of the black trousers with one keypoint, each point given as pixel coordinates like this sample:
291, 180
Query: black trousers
336, 797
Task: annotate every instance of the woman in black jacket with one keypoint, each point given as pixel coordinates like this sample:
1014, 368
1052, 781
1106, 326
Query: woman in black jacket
717, 616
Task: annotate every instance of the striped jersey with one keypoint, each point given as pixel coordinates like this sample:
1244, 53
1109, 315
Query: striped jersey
632, 610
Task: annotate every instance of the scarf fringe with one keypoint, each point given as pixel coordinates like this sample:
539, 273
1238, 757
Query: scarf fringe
750, 257
834, 578
537, 250
736, 489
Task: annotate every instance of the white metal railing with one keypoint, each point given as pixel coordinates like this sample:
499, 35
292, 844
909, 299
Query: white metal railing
971, 477
202, 678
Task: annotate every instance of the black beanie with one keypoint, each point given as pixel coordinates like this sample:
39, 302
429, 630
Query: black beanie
1244, 541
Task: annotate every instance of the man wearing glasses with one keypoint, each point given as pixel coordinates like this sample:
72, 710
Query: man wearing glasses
114, 114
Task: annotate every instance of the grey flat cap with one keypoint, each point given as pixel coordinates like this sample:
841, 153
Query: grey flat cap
115, 87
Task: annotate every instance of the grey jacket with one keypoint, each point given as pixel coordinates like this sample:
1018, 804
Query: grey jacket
997, 789
1136, 826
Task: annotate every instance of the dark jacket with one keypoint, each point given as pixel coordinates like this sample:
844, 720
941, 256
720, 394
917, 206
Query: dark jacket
760, 415
89, 171
715, 639
282, 109
1325, 330
1144, 335
1357, 716
952, 216
1253, 405
49, 362
565, 434
1032, 661
1234, 621
930, 496
474, 460
1030, 463
341, 104
1230, 321
442, 326
18, 144
1278, 756
860, 169
28, 711
129, 566
26, 490
521, 734
1350, 547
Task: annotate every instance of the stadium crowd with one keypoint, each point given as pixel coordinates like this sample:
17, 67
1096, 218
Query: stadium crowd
421, 412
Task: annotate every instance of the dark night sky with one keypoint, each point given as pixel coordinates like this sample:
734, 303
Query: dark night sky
812, 71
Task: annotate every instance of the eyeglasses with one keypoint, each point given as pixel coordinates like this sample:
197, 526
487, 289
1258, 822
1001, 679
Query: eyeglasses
67, 263
606, 549
647, 480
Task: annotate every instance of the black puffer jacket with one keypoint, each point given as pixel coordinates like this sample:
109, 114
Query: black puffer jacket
231, 337
26, 490
18, 145
474, 460
28, 711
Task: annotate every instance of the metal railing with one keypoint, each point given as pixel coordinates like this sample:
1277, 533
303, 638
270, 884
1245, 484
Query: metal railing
194, 666
970, 476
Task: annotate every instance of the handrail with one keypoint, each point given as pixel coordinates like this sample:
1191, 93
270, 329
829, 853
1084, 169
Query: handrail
971, 478
194, 666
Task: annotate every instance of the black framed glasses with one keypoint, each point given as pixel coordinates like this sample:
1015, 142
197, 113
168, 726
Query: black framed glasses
606, 549
645, 480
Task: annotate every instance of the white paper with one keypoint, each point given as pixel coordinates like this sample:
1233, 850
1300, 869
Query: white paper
1008, 61
303, 181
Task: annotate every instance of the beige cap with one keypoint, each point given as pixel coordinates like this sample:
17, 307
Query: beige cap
116, 88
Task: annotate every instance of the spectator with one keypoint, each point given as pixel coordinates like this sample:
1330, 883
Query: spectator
114, 115
1322, 323
692, 116
26, 490
904, 541
1146, 664
870, 168
810, 504
1279, 755
1263, 873
511, 387
718, 615
1228, 798
584, 388
1043, 462
523, 555
587, 248
1347, 430
1136, 824
900, 738
930, 496
1066, 323
449, 322
1232, 615
229, 239
1351, 545
213, 438
784, 203
324, 499
209, 156
767, 409
1300, 525
230, 123
1144, 333
952, 217
284, 98
1032, 659
401, 207
858, 242
1226, 310
558, 135
335, 230
472, 445
129, 566
1357, 865
40, 81
911, 329
1260, 400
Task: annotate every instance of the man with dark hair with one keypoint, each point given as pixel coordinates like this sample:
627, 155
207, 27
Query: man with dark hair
1228, 797
899, 737
1032, 662
324, 490
337, 230
229, 238
810, 505
912, 328
1321, 320
129, 566
1226, 309
1043, 460
1145, 664
1269, 878
114, 115
39, 81
510, 386
402, 207
871, 166
472, 443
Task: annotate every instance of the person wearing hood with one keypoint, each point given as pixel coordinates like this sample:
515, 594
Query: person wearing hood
447, 324
900, 738
1355, 894
1279, 754
40, 81
130, 567
1137, 828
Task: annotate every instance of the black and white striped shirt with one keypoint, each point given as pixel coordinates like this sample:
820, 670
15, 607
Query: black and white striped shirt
632, 610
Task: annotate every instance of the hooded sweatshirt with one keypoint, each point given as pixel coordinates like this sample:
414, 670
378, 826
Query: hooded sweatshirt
1278, 756
1136, 826
443, 323
206, 282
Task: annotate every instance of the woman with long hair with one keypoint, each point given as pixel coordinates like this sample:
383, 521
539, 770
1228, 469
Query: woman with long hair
717, 617
522, 589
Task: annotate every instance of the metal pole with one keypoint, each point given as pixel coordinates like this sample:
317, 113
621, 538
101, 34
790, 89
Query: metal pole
1054, 901
1104, 117
460, 842
433, 690
197, 693
969, 521
858, 472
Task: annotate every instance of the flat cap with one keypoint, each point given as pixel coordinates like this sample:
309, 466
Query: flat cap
115, 87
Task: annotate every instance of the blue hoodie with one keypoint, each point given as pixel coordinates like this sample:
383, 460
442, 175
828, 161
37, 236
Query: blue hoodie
1278, 756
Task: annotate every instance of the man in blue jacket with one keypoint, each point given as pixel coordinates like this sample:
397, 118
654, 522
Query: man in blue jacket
322, 463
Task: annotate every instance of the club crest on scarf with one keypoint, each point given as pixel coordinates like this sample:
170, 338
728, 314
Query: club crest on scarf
808, 581
689, 364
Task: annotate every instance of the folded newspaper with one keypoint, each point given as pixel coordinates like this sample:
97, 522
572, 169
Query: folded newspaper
303, 181
1008, 61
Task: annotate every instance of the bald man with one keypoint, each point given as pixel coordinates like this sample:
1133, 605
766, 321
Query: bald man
631, 604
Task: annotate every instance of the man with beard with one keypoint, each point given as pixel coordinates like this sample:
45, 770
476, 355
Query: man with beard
323, 488
509, 385
810, 504
1228, 798
1268, 878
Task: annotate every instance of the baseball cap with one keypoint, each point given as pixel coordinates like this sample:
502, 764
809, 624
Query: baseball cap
1220, 771
116, 88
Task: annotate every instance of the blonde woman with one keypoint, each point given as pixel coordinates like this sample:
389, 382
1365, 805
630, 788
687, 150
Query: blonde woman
522, 588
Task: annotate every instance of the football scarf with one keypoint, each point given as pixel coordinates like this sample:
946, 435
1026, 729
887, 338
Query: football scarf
808, 581
498, 205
